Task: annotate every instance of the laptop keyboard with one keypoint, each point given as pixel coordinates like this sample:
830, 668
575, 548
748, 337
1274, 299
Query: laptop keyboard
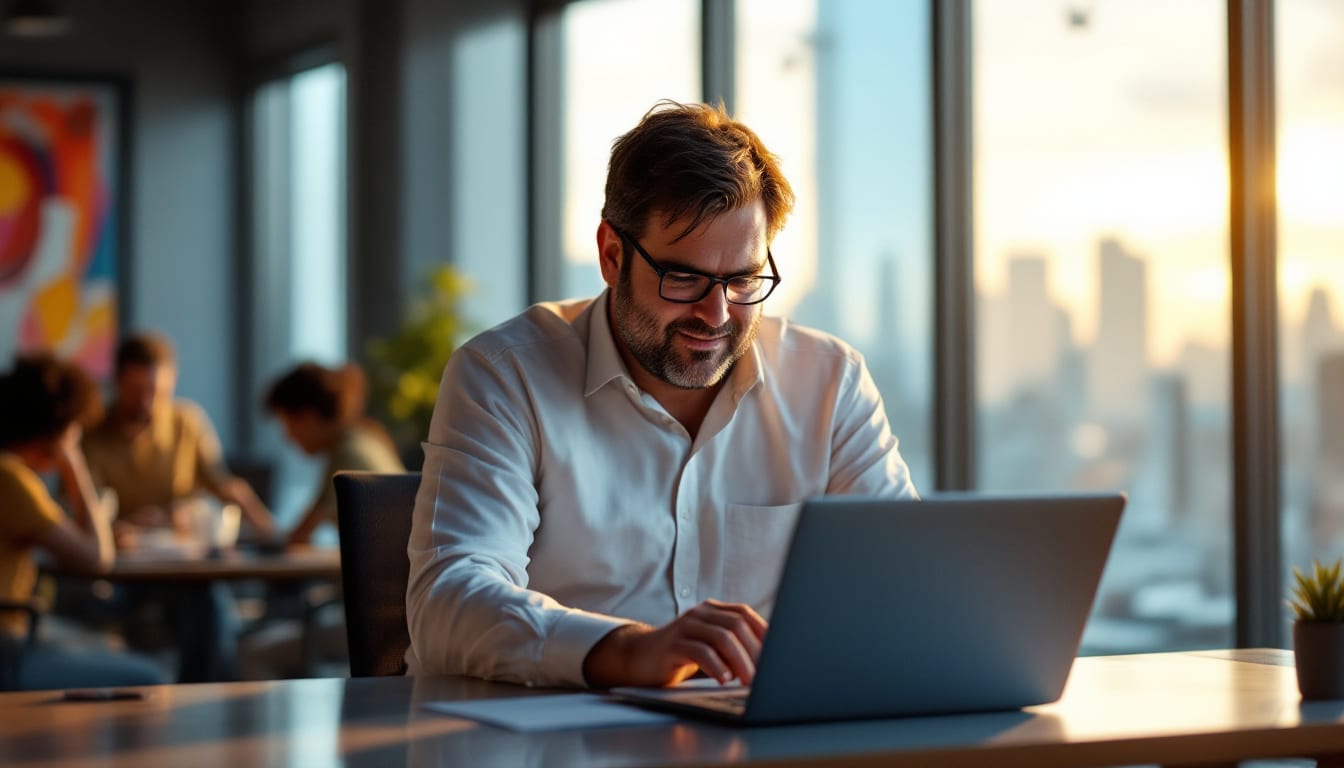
734, 702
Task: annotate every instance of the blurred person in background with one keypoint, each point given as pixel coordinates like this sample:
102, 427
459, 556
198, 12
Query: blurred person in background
322, 413
43, 406
158, 452
162, 458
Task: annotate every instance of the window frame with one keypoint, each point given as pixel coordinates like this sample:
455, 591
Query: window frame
1252, 257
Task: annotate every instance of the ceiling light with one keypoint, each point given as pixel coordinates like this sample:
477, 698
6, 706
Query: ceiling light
35, 18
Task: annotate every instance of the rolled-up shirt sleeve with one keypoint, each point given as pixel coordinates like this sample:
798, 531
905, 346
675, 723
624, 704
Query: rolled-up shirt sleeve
468, 603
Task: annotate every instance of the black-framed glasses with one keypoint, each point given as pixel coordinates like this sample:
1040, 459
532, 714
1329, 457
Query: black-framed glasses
687, 286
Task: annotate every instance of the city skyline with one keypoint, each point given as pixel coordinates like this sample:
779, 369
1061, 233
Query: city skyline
1030, 309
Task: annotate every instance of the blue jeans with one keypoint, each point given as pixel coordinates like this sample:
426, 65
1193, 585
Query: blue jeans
42, 668
203, 622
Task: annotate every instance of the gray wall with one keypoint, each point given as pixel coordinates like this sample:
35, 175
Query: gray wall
437, 105
464, 149
183, 154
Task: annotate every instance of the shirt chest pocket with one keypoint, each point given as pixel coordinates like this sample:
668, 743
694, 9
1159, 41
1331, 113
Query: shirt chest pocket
755, 542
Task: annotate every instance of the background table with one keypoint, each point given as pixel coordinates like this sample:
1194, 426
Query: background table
298, 565
1184, 708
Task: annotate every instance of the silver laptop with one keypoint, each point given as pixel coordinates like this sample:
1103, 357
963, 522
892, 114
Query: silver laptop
885, 608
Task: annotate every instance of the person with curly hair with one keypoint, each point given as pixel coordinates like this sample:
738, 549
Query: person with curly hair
44, 405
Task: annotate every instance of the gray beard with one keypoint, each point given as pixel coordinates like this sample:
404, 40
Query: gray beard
657, 352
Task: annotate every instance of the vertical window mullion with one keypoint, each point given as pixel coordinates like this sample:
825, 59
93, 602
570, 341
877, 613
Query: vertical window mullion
953, 432
1255, 442
545, 151
718, 51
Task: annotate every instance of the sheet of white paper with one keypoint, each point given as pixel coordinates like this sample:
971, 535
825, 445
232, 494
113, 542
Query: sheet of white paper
550, 713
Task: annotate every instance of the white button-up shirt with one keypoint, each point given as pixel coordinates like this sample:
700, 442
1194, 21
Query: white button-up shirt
558, 501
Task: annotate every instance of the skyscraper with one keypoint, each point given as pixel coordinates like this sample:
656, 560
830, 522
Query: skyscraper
1033, 325
1330, 407
1170, 447
1118, 369
1318, 330
1327, 508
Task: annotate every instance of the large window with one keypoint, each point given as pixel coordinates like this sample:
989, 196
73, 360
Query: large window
299, 252
1310, 127
1101, 275
1102, 271
620, 57
486, 171
839, 90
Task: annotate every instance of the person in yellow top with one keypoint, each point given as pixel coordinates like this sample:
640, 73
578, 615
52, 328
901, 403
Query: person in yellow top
43, 403
157, 452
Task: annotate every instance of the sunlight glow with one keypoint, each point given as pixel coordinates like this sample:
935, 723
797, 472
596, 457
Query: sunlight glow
1310, 171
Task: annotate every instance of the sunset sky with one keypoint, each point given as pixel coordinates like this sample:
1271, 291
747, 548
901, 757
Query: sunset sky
1113, 127
1118, 127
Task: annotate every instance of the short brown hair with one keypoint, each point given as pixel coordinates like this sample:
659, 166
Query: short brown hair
42, 396
337, 395
145, 349
692, 160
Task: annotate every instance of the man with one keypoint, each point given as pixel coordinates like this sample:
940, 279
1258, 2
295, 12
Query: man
157, 452
610, 485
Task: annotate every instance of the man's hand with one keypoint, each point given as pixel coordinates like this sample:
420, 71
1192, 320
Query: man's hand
69, 456
237, 491
722, 639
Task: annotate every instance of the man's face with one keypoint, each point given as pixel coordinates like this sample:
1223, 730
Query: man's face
142, 388
690, 346
302, 428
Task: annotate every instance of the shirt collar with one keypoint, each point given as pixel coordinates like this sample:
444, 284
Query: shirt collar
604, 361
605, 364
748, 372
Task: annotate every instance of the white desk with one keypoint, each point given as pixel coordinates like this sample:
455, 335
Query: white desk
1174, 709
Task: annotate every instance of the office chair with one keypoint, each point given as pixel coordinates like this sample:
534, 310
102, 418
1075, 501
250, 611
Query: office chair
13, 648
373, 513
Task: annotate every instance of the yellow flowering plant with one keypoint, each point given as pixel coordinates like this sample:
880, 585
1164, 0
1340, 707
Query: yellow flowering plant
405, 367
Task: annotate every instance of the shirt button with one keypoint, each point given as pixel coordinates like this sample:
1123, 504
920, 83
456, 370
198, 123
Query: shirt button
685, 592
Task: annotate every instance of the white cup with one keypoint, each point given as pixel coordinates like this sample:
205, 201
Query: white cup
226, 527
204, 517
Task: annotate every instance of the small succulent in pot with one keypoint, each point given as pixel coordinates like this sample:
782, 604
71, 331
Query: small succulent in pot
1318, 633
1320, 596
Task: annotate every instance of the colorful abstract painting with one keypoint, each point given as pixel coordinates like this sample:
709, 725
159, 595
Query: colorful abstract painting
60, 219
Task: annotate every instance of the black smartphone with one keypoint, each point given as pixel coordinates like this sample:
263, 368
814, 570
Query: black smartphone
101, 694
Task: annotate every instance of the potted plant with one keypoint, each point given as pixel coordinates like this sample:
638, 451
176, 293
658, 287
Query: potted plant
405, 367
1318, 632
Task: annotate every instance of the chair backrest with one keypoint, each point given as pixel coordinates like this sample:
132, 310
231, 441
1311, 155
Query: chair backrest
373, 512
12, 648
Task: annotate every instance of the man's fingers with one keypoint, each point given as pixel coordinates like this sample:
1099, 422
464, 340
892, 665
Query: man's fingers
748, 626
735, 658
748, 614
709, 659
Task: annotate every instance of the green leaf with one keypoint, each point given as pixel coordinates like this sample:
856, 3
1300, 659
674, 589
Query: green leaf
1320, 596
405, 368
